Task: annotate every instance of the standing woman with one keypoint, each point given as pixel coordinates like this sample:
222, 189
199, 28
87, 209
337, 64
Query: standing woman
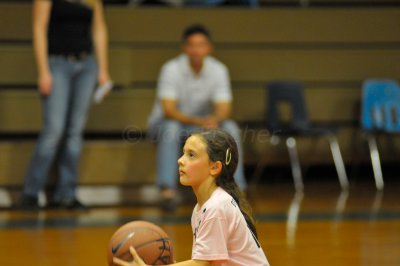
70, 45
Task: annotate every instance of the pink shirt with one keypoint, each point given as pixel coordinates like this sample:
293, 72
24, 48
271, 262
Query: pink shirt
221, 234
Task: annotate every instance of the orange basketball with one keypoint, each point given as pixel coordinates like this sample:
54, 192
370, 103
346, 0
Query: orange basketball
150, 241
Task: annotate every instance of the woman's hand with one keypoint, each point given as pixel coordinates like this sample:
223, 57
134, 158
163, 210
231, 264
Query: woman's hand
137, 261
45, 83
103, 77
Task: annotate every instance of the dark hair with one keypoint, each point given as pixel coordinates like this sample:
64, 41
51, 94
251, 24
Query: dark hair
196, 29
222, 147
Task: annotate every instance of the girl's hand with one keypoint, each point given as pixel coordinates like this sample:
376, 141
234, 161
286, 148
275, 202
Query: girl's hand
45, 83
137, 261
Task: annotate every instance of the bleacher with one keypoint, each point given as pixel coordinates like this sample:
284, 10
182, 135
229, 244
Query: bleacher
331, 50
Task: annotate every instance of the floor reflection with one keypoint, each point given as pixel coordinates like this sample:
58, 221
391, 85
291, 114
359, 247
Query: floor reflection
293, 217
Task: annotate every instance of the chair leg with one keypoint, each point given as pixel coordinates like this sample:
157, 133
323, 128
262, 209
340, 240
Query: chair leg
258, 171
261, 163
338, 160
295, 163
341, 202
376, 163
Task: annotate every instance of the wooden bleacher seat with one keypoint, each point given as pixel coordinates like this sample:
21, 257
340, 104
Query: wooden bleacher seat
330, 50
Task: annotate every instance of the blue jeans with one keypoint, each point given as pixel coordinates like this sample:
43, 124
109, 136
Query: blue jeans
64, 117
169, 135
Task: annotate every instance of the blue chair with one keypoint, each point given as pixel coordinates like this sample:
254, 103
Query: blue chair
291, 93
380, 113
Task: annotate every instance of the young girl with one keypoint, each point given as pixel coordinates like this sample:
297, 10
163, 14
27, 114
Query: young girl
223, 227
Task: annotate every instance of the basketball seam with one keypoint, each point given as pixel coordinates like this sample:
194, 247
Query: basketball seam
163, 239
160, 257
155, 240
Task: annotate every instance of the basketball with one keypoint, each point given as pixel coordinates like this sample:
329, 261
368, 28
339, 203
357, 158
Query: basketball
151, 243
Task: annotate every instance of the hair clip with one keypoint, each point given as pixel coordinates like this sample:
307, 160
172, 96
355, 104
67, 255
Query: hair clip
228, 157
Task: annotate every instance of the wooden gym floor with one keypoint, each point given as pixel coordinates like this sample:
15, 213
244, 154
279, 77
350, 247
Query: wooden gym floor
322, 226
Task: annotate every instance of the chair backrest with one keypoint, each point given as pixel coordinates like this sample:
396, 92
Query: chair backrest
291, 93
380, 109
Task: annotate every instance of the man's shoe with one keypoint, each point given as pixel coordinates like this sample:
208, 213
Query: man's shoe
168, 204
68, 204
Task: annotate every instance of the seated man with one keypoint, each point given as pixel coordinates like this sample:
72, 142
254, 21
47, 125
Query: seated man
193, 92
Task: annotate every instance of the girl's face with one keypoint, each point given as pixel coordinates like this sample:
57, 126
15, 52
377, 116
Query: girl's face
194, 164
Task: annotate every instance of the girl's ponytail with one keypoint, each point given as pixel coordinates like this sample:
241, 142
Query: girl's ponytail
222, 147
